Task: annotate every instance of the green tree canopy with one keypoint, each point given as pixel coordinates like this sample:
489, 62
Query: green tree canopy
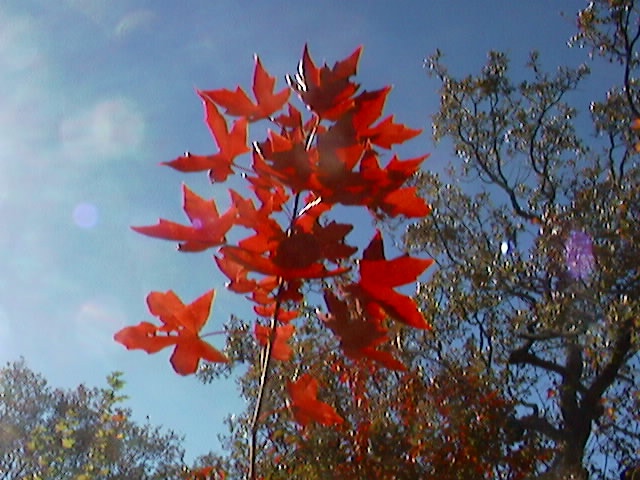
81, 434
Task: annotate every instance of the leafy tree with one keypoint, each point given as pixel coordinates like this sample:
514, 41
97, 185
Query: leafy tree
79, 434
531, 369
527, 365
537, 244
444, 423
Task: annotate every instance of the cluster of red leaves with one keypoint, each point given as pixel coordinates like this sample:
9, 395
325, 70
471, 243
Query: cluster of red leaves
206, 473
460, 442
296, 175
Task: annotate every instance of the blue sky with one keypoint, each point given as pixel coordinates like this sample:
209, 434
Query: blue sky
95, 93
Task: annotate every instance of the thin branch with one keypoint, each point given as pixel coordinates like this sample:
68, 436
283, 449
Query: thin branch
540, 425
264, 376
266, 361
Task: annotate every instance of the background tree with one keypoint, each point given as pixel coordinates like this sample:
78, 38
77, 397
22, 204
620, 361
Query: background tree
531, 368
418, 423
537, 244
78, 434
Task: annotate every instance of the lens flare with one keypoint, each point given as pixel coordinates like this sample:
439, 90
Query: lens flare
578, 253
85, 215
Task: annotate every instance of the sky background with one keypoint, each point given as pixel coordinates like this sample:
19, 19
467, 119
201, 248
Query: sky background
95, 93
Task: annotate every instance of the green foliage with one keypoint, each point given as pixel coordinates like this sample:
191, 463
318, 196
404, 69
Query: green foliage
80, 434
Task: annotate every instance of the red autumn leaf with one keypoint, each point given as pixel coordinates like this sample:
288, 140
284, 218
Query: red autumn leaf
387, 133
268, 311
272, 196
231, 144
280, 349
237, 275
292, 119
298, 255
306, 407
329, 237
207, 229
379, 189
406, 202
286, 159
327, 92
238, 104
368, 108
268, 231
181, 327
144, 337
287, 267
379, 277
360, 333
383, 187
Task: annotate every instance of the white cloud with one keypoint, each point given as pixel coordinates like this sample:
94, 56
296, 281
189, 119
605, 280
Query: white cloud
96, 321
113, 19
110, 128
132, 22
18, 47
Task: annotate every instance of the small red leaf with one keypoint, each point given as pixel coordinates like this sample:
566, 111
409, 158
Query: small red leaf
208, 228
281, 349
327, 92
231, 144
188, 353
181, 326
379, 277
237, 103
143, 336
405, 201
360, 333
306, 407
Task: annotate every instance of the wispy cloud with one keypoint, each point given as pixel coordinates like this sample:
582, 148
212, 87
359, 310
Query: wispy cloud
132, 22
110, 128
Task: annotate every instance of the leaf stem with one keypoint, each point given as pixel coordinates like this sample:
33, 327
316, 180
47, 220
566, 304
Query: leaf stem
264, 374
266, 361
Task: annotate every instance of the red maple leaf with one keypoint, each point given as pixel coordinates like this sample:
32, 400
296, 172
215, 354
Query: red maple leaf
295, 258
272, 196
237, 275
327, 92
379, 277
267, 303
297, 255
237, 103
379, 189
403, 201
280, 349
287, 158
367, 109
181, 325
305, 406
207, 229
231, 144
383, 187
360, 332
